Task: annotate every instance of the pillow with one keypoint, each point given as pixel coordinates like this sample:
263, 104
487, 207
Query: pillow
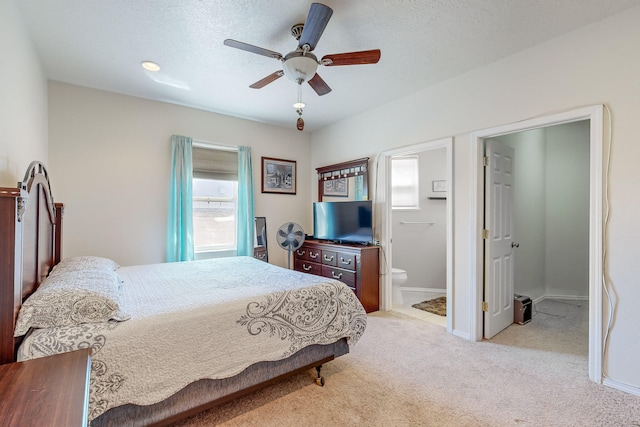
72, 298
81, 263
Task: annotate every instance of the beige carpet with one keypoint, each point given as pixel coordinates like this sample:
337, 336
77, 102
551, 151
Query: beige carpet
407, 372
436, 306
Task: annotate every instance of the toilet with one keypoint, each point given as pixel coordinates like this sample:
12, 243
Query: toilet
398, 278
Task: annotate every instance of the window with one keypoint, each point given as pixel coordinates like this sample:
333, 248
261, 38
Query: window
215, 199
215, 203
404, 183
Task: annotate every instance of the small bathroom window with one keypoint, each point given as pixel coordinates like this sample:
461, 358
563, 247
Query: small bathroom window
404, 183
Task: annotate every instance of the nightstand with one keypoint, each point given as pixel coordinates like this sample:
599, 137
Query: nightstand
50, 391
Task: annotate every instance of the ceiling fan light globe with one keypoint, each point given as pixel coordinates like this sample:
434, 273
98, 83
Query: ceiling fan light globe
299, 67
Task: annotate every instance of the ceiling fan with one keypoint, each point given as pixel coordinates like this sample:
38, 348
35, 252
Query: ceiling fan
300, 65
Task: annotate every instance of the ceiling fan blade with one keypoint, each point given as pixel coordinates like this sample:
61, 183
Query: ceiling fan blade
352, 58
253, 49
319, 85
317, 20
263, 82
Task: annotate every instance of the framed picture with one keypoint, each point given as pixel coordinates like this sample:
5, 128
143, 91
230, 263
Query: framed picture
278, 176
336, 187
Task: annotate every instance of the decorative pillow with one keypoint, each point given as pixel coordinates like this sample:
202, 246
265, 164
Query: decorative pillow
83, 263
72, 298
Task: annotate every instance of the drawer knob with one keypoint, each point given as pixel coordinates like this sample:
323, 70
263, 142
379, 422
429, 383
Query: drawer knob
300, 253
326, 258
313, 255
306, 267
261, 256
345, 261
336, 276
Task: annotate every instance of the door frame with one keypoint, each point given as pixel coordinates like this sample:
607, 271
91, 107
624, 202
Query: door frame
596, 178
383, 168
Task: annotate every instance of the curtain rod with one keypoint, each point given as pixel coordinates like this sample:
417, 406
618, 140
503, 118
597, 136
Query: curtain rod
206, 144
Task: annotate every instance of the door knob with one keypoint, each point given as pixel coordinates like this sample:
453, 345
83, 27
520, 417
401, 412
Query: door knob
515, 245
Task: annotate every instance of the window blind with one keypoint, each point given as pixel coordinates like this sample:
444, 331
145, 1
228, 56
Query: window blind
209, 163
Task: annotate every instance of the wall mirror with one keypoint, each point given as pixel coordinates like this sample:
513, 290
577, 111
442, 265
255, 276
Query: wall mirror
260, 241
345, 181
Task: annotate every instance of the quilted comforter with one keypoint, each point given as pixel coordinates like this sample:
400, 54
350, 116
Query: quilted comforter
201, 319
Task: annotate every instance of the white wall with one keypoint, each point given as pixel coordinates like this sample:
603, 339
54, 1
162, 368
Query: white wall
23, 99
596, 64
567, 210
110, 158
421, 249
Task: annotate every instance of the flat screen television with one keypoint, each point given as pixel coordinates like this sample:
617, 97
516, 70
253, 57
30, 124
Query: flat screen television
343, 221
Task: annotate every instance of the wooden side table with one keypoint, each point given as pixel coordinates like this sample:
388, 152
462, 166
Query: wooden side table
50, 391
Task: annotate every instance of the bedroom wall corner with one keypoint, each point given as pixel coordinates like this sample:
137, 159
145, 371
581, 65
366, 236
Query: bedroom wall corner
23, 99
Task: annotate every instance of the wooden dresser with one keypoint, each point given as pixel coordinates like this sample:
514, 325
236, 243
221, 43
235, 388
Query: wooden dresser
356, 265
50, 391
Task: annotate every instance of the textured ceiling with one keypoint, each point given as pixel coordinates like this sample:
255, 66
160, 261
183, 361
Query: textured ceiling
100, 43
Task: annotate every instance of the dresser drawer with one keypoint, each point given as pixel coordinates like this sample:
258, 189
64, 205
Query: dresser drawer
308, 267
346, 261
329, 257
345, 276
301, 253
260, 253
307, 253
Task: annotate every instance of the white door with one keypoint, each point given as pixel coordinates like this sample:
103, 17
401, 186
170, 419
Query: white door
498, 269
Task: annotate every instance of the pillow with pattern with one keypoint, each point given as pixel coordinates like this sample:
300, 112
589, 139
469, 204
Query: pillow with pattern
82, 263
72, 298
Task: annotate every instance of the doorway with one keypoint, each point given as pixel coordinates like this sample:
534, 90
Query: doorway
546, 216
595, 116
383, 173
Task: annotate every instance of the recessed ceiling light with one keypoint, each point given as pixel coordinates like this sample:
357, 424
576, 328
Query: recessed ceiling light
150, 66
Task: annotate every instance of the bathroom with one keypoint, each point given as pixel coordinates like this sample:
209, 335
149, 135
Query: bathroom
419, 190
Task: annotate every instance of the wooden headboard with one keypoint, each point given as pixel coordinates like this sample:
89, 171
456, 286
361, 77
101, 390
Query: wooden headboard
30, 245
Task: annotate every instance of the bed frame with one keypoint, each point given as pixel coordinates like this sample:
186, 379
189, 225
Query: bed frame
30, 246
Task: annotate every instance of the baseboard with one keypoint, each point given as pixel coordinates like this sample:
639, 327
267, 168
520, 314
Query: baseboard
461, 334
431, 290
567, 297
621, 386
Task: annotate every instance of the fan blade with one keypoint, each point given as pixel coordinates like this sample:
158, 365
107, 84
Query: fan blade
253, 49
352, 58
263, 82
319, 85
290, 228
298, 233
317, 20
295, 244
282, 233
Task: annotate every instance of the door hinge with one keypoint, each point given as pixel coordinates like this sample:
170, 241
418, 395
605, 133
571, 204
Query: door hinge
485, 233
485, 161
485, 306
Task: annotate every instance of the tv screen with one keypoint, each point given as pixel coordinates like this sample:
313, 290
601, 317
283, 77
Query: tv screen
343, 221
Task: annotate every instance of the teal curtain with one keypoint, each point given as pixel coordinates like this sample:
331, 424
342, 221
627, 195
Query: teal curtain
246, 221
180, 218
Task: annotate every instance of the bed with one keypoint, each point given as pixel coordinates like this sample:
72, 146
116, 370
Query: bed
183, 337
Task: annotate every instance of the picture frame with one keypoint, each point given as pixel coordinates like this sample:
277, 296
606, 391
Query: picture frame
336, 187
278, 176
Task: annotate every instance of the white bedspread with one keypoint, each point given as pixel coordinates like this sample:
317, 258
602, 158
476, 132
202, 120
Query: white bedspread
202, 319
